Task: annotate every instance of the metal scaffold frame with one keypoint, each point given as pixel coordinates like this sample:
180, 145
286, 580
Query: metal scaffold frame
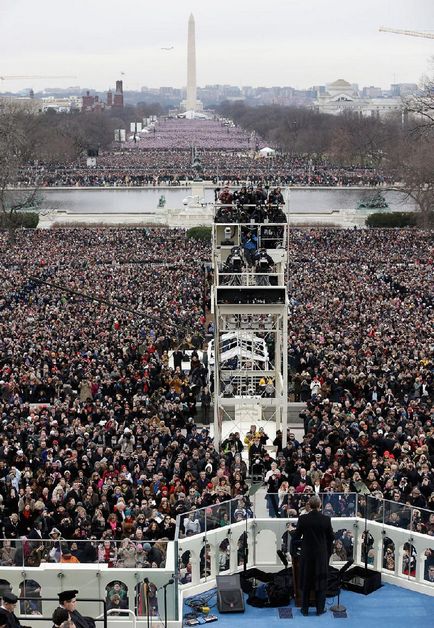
248, 356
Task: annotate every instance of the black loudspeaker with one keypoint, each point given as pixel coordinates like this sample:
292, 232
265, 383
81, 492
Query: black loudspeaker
361, 580
230, 598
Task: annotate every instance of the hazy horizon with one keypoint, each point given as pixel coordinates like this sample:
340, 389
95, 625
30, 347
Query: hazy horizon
297, 43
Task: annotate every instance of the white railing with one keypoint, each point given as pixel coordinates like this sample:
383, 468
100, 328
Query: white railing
264, 539
94, 580
114, 613
197, 560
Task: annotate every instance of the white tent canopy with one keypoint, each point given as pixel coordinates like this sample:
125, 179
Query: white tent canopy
267, 151
193, 115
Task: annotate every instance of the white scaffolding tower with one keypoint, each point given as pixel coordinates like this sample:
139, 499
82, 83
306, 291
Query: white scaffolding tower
248, 357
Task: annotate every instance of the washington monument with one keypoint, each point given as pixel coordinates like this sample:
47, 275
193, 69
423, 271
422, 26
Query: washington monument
191, 103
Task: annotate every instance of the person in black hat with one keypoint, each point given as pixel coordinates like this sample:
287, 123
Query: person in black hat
68, 601
9, 602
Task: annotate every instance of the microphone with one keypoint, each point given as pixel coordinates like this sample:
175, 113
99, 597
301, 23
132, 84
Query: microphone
346, 566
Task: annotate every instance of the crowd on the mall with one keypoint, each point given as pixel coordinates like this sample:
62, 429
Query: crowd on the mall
105, 395
164, 156
92, 456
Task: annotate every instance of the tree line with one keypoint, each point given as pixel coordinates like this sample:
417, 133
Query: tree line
400, 144
53, 137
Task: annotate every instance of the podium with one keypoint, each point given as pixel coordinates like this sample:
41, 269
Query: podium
296, 563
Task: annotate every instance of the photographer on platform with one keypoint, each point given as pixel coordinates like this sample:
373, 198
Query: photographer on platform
263, 265
234, 265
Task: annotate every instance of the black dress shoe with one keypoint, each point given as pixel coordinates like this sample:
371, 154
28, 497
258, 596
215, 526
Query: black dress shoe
305, 611
320, 612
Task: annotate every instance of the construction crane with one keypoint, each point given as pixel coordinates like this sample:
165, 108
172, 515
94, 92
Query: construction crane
36, 77
399, 31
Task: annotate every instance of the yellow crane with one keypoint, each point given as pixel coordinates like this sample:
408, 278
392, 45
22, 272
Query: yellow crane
36, 77
399, 31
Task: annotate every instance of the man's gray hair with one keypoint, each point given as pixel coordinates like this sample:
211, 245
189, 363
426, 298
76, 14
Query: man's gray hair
315, 502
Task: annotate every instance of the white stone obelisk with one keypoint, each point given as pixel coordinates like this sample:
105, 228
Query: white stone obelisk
191, 98
191, 103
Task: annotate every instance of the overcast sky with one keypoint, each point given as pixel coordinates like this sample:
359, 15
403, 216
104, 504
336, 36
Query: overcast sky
239, 42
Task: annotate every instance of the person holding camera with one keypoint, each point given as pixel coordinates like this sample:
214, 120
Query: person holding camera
273, 479
263, 266
234, 265
127, 442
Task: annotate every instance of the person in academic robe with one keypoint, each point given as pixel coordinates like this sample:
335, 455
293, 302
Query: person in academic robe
68, 600
3, 618
9, 603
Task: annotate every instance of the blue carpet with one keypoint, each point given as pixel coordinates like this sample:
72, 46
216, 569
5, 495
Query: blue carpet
388, 607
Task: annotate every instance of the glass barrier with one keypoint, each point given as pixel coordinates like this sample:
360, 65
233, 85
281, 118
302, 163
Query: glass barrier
127, 553
396, 514
288, 503
339, 504
374, 508
12, 554
408, 517
421, 520
213, 516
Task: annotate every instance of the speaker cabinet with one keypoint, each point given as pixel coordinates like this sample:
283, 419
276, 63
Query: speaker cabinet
230, 598
363, 581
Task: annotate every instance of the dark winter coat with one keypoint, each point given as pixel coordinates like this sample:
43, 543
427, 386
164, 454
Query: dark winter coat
315, 530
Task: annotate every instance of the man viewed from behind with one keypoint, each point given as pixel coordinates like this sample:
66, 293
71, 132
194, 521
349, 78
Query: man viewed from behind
315, 530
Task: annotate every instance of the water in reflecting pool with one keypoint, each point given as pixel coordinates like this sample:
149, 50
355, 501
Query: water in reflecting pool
146, 200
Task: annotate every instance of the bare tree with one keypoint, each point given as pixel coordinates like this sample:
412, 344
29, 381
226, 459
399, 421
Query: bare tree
15, 150
414, 153
416, 168
420, 108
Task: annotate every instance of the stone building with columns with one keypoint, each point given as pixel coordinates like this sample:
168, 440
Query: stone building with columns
340, 97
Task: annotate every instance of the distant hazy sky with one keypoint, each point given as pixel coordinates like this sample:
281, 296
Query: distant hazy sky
239, 42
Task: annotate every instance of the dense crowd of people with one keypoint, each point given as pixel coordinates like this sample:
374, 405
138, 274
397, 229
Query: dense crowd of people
164, 155
100, 448
81, 439
127, 168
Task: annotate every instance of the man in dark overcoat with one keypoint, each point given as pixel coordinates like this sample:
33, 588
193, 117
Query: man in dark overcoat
315, 531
